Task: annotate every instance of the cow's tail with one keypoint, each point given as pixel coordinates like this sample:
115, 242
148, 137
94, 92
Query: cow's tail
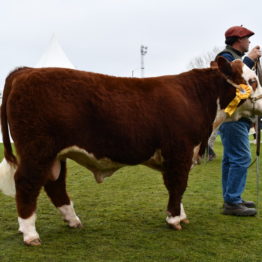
8, 151
9, 163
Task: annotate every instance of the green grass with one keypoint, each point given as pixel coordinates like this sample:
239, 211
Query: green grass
124, 220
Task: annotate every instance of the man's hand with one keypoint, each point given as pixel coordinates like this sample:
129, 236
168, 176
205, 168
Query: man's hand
255, 53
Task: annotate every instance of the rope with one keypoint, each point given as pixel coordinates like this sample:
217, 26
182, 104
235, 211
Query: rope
253, 162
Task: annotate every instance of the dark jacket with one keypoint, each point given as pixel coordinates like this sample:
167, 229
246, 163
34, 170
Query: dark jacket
231, 54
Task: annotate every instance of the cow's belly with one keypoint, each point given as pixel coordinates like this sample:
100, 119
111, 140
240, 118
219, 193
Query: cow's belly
102, 167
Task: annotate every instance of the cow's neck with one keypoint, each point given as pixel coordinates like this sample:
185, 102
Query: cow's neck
223, 93
217, 88
212, 90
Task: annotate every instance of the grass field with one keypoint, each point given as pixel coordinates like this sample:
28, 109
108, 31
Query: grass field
124, 220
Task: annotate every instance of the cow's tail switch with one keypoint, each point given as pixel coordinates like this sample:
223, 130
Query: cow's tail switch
7, 181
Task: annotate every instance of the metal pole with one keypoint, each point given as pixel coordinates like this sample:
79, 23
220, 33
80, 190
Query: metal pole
143, 51
258, 138
257, 178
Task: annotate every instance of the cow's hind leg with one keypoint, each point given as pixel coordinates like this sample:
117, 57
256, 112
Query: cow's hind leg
56, 190
175, 179
28, 181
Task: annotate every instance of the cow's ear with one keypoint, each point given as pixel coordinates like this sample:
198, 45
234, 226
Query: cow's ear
224, 66
213, 64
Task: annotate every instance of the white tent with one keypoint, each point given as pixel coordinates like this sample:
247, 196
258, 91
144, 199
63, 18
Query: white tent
54, 56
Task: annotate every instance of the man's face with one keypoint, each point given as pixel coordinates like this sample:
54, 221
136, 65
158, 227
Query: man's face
244, 43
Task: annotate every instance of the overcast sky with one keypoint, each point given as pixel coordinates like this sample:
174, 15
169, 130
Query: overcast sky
105, 35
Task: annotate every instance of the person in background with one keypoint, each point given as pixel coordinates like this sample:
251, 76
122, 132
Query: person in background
234, 134
210, 145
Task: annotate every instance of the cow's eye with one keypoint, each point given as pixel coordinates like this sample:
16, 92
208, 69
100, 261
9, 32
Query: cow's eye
253, 83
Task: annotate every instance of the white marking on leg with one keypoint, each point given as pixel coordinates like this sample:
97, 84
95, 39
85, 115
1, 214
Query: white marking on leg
7, 182
27, 227
69, 215
175, 221
183, 216
182, 212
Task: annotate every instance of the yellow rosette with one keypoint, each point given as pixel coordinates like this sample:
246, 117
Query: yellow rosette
243, 92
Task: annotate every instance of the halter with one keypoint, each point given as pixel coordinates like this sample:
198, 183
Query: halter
254, 99
258, 70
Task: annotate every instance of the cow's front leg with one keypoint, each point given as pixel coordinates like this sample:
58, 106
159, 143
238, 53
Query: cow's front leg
174, 221
175, 179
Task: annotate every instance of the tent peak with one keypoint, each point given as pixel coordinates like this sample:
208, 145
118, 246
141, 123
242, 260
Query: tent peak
54, 56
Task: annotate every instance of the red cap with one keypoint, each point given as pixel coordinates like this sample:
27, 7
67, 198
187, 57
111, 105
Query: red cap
238, 31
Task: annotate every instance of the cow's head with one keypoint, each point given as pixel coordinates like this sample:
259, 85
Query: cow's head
243, 79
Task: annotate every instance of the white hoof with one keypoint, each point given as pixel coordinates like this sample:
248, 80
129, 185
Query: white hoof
70, 216
33, 242
185, 221
75, 223
174, 222
27, 227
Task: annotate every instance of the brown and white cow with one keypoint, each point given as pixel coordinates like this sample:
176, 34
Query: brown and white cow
104, 123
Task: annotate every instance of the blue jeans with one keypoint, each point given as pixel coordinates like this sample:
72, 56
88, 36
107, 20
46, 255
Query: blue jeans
236, 159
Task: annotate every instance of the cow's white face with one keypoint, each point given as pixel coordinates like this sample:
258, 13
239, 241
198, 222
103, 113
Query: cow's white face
250, 107
256, 90
239, 73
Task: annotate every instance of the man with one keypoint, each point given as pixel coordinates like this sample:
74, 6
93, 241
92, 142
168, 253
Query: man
234, 134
